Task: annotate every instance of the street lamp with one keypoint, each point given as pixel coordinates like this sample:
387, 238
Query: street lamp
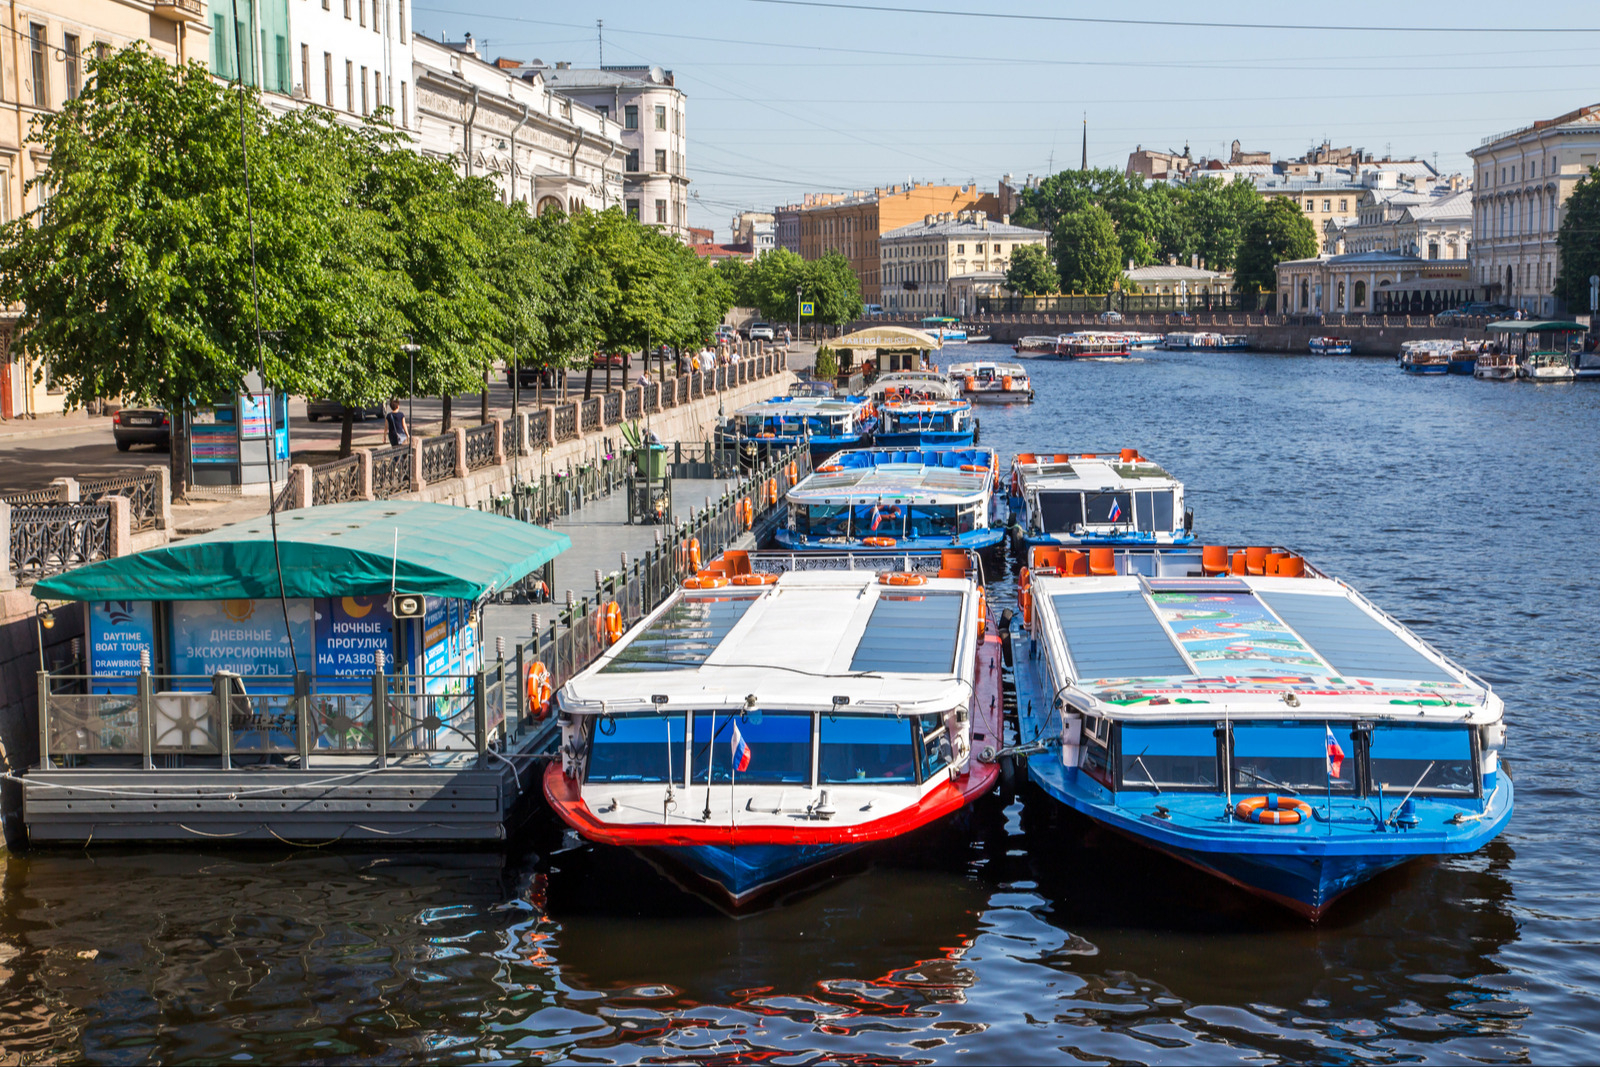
411, 350
797, 313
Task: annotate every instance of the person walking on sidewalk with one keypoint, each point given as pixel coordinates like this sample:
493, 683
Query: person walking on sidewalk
399, 432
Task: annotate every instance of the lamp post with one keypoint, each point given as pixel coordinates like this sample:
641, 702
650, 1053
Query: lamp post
411, 350
797, 313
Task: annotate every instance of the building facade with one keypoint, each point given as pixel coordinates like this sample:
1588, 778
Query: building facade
1522, 180
353, 57
921, 261
650, 111
1374, 283
44, 59
1417, 224
1193, 283
537, 146
852, 225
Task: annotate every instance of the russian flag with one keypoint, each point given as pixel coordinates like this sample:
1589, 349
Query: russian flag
1116, 510
741, 751
1335, 754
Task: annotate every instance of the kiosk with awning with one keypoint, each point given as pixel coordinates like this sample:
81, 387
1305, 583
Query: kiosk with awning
900, 345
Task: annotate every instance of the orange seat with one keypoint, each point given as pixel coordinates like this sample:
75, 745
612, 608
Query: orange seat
1102, 561
1291, 567
952, 563
1214, 559
1130, 455
1046, 556
1062, 457
1255, 560
738, 561
1075, 564
1238, 563
1027, 457
1273, 560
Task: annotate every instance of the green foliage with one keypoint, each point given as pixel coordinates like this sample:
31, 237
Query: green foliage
1031, 272
1276, 232
827, 364
1088, 256
778, 280
1579, 243
832, 284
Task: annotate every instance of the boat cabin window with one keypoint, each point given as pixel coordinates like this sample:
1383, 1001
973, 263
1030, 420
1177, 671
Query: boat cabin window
1060, 512
1284, 756
824, 520
935, 741
882, 519
1401, 755
866, 749
1152, 512
1096, 757
1110, 508
780, 747
637, 748
932, 520
1170, 756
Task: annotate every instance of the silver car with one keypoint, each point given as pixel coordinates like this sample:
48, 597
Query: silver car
762, 331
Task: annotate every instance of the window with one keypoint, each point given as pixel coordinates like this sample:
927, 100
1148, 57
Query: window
361, 12
677, 121
325, 6
1153, 511
1311, 205
632, 163
1344, 205
866, 748
1434, 759
405, 116
365, 104
1280, 756
661, 117
327, 77
377, 21
36, 38
1327, 205
402, 6
630, 117
780, 747
962, 249
1361, 296
1169, 756
305, 69
346, 8
661, 161
661, 211
377, 89
633, 210
637, 748
604, 110
74, 77
1114, 508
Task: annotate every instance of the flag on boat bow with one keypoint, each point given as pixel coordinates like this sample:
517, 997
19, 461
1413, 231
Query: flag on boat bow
741, 751
1335, 753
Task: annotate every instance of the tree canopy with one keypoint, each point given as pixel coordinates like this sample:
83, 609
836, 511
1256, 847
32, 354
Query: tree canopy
1578, 243
778, 280
1088, 255
1277, 232
1031, 273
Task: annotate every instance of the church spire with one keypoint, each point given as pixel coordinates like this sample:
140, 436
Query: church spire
1085, 164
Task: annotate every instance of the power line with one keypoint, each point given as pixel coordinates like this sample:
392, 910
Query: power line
1175, 23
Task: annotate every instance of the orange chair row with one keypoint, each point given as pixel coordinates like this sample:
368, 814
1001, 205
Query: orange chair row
1219, 559
1096, 562
1127, 455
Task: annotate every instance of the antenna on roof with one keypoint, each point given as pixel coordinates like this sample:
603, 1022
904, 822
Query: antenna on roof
600, 37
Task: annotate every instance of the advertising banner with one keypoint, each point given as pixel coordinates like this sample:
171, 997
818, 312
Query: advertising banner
118, 631
246, 637
350, 631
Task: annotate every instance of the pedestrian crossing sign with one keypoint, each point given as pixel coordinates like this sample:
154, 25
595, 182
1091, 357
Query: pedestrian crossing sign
807, 307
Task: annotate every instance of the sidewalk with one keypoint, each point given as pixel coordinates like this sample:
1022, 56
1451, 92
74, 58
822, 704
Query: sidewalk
49, 425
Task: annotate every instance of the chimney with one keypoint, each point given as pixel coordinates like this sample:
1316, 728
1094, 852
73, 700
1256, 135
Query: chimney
469, 45
1194, 261
1130, 264
1005, 220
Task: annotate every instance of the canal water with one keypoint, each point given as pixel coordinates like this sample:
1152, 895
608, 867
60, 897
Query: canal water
1462, 507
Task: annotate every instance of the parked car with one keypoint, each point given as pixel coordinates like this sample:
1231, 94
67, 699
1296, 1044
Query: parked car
872, 311
141, 426
323, 408
761, 331
726, 334
532, 377
1111, 316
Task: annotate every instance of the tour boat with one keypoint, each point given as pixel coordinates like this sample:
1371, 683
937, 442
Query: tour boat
1179, 341
1331, 346
870, 500
1037, 345
944, 329
920, 423
1093, 346
1426, 357
1221, 341
826, 423
1545, 351
1096, 498
1144, 340
1001, 383
758, 725
1252, 717
1550, 367
913, 385
1496, 367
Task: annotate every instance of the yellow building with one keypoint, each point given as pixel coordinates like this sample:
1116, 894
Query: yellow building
920, 262
852, 226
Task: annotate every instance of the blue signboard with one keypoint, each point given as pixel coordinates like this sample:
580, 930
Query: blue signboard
118, 631
350, 631
246, 637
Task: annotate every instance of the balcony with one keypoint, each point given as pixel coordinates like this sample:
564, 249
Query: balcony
181, 10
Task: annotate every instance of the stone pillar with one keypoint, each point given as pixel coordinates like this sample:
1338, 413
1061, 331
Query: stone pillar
416, 462
163, 476
7, 580
550, 428
121, 532
68, 489
499, 440
300, 481
460, 434
364, 458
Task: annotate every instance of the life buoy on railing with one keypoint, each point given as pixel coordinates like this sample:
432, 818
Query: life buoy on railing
608, 625
983, 614
755, 579
1273, 810
536, 683
829, 468
772, 490
879, 542
793, 472
902, 578
1025, 599
746, 512
705, 581
694, 553
974, 467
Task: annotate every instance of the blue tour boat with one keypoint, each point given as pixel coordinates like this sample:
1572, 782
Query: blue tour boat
826, 423
926, 423
1430, 357
1096, 498
874, 499
1253, 717
758, 725
1331, 346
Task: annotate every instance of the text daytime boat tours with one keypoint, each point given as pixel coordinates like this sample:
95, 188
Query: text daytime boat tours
759, 725
995, 383
1096, 498
1242, 711
825, 423
907, 500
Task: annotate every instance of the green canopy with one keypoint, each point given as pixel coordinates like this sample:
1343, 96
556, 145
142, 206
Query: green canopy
333, 551
1513, 326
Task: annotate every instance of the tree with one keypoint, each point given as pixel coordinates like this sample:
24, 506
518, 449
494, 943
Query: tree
1278, 231
831, 284
1031, 273
1218, 212
134, 273
1578, 243
770, 284
1088, 256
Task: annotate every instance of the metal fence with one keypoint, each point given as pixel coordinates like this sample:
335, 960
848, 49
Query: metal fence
50, 540
142, 489
391, 472
438, 458
1126, 303
480, 447
336, 482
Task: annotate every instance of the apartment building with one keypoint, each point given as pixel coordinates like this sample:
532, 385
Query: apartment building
1429, 226
1522, 179
852, 224
920, 262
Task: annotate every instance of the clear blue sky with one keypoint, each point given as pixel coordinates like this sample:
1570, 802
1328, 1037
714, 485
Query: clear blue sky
784, 100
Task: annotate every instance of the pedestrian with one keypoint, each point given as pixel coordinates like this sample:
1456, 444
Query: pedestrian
399, 432
787, 338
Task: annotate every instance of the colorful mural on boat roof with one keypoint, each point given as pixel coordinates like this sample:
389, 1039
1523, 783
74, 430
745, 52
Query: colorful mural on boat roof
1237, 634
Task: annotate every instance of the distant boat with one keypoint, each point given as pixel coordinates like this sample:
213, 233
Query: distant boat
1426, 357
945, 329
1331, 346
1037, 345
1093, 346
994, 382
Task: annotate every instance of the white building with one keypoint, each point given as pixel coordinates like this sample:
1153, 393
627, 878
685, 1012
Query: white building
918, 262
537, 146
758, 230
1417, 224
1523, 180
651, 110
353, 56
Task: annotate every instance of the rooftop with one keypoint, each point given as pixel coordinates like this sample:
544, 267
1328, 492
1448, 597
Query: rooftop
1172, 272
964, 224
1092, 471
930, 476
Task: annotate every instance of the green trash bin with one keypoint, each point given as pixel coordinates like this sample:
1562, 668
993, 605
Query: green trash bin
650, 462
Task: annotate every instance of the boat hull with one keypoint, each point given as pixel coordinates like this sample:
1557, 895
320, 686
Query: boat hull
999, 396
737, 876
1425, 368
1495, 374
1463, 366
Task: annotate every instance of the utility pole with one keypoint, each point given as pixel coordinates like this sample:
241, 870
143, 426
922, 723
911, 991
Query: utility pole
600, 36
797, 312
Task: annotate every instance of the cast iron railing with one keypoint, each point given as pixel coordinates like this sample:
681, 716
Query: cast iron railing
391, 471
480, 447
50, 540
438, 458
336, 482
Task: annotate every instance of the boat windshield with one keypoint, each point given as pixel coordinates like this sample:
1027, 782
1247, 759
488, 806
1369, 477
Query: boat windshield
637, 748
780, 747
865, 749
825, 520
1174, 756
1146, 511
878, 520
1104, 508
1273, 756
933, 520
1402, 754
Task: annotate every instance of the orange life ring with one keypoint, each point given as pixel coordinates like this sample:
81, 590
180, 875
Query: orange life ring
772, 490
829, 468
1025, 598
973, 467
755, 579
1024, 579
694, 553
983, 613
1272, 809
608, 625
793, 471
706, 581
901, 578
746, 512
879, 542
536, 683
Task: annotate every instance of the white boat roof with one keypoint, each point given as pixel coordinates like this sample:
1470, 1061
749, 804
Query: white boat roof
927, 406
928, 476
921, 380
1015, 369
1094, 472
1141, 647
805, 405
800, 643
